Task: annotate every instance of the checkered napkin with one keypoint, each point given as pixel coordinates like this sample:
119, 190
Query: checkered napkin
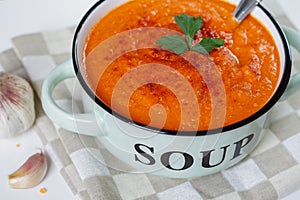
272, 171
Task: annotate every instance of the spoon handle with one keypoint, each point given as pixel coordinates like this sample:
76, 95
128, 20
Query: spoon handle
244, 8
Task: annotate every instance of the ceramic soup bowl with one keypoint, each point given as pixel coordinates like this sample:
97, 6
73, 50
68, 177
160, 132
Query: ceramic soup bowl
161, 152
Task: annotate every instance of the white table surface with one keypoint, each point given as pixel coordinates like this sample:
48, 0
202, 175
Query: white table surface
28, 16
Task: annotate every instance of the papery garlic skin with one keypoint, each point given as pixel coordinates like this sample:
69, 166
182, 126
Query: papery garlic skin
17, 111
30, 174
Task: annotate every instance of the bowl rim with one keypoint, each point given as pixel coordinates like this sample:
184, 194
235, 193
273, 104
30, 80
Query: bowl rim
272, 101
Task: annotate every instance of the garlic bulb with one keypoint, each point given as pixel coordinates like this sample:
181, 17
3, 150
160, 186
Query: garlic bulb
30, 174
17, 112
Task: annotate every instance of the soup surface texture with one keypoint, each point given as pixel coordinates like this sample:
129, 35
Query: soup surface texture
248, 66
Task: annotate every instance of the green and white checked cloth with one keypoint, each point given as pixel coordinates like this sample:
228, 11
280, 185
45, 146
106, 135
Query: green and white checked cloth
272, 171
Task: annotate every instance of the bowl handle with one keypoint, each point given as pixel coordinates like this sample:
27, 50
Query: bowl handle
293, 38
84, 123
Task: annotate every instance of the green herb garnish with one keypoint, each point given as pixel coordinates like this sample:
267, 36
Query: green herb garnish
174, 43
207, 45
189, 25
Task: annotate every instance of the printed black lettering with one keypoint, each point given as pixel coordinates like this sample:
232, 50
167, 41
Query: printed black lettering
188, 160
207, 157
239, 145
138, 148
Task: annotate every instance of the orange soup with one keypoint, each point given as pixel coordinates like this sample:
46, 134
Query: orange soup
248, 64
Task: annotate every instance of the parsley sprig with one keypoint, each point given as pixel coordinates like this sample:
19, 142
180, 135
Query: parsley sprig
189, 25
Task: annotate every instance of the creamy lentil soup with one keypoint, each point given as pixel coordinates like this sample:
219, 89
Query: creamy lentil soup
248, 62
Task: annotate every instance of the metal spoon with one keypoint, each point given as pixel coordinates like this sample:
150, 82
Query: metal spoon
244, 8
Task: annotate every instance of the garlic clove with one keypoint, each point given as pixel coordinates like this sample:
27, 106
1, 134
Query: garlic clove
17, 112
30, 174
